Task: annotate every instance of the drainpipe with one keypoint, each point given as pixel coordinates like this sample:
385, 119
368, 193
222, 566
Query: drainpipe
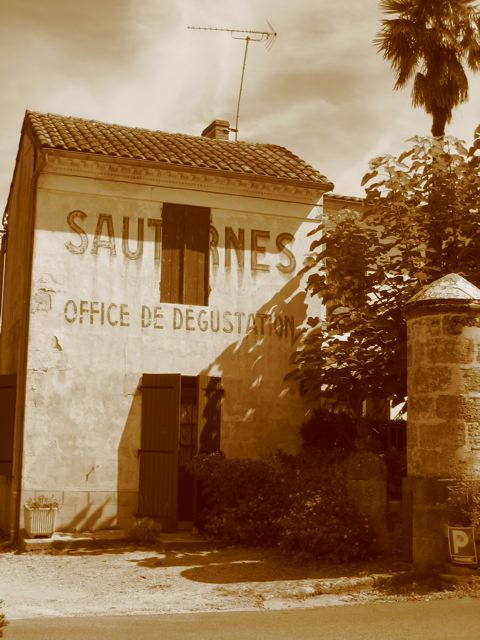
21, 380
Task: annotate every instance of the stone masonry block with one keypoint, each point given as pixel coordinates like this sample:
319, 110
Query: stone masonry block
444, 439
473, 435
429, 544
453, 324
426, 327
450, 350
422, 462
429, 379
421, 406
412, 434
450, 407
415, 350
470, 380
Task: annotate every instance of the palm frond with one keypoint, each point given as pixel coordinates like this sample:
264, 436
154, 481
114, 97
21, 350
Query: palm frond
431, 41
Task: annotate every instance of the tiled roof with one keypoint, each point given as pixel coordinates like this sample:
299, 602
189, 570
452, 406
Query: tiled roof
266, 161
337, 196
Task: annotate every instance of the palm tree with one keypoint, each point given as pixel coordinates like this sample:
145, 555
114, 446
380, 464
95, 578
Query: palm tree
432, 40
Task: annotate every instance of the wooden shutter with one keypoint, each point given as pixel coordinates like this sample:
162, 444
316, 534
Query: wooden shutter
7, 422
210, 393
171, 276
158, 483
3, 253
196, 255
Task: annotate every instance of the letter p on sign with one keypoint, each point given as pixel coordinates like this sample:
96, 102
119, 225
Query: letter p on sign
460, 539
461, 544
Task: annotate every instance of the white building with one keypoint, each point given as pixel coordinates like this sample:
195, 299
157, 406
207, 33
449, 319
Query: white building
150, 307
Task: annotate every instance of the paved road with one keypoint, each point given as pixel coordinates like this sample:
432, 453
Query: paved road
434, 620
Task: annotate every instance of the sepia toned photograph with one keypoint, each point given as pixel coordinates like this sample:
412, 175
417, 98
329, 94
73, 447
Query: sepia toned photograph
240, 319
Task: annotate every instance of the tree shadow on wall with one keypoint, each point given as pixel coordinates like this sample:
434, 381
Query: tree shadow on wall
128, 463
261, 409
88, 519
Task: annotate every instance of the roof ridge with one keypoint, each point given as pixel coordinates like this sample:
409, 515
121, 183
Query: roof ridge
263, 160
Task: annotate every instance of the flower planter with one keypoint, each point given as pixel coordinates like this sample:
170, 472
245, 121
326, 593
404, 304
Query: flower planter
40, 521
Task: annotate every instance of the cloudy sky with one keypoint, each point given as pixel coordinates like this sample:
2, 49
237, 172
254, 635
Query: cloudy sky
322, 90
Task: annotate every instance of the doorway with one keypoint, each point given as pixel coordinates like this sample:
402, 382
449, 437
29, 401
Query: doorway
180, 418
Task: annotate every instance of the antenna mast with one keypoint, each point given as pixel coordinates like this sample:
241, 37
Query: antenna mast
251, 35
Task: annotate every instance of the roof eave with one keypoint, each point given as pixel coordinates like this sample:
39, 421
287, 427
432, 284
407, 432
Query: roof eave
304, 184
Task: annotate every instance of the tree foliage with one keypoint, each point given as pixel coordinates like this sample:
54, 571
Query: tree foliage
431, 42
420, 221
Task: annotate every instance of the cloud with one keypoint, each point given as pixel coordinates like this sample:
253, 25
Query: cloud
322, 90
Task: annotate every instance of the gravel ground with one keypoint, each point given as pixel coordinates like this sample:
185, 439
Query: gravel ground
125, 580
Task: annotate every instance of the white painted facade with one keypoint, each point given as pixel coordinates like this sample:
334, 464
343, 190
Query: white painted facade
96, 324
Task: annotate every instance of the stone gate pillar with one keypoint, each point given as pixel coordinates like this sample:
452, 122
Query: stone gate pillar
443, 431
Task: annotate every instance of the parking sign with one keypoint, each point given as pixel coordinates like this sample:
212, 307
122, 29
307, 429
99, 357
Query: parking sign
461, 544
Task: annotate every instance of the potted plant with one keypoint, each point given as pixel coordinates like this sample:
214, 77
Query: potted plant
40, 516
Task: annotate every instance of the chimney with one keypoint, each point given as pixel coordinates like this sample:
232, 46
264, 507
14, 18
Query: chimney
218, 130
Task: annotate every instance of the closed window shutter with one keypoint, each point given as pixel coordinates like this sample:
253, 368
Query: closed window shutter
7, 422
171, 277
3, 255
196, 255
185, 254
158, 482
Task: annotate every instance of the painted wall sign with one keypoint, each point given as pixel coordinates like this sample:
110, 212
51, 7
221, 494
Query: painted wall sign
257, 241
178, 318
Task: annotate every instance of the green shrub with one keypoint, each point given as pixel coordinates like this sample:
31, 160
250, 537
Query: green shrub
297, 503
464, 499
3, 622
328, 430
241, 500
324, 524
145, 531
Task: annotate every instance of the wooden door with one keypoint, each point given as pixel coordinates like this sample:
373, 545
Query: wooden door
158, 482
180, 417
7, 422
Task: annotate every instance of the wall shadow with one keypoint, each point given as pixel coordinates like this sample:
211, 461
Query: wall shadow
255, 368
128, 463
86, 519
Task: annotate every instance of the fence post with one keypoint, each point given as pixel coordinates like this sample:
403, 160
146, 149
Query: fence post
443, 428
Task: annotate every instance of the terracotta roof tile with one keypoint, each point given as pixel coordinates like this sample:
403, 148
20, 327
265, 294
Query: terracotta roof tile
268, 161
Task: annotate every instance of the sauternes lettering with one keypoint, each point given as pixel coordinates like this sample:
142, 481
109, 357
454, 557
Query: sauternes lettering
101, 233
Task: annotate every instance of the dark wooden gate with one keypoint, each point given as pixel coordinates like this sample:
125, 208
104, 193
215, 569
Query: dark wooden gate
7, 422
159, 448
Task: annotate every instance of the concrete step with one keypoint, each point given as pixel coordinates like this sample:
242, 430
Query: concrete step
175, 541
67, 540
182, 541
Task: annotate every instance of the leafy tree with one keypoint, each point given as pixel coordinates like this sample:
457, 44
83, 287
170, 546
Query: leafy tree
3, 623
421, 220
432, 41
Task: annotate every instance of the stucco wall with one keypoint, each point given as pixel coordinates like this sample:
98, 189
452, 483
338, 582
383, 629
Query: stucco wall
83, 405
16, 286
14, 312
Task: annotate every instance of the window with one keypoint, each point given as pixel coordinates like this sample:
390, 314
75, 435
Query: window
185, 254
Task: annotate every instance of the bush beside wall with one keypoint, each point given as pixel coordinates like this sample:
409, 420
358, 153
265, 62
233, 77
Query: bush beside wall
3, 622
298, 503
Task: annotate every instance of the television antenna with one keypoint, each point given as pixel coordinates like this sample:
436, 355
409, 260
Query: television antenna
250, 36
